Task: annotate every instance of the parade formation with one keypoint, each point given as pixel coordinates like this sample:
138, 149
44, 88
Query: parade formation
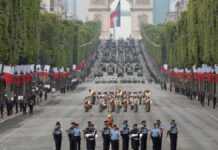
118, 101
134, 138
108, 75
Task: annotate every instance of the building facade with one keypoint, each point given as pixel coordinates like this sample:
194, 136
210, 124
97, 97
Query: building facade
54, 6
176, 7
141, 12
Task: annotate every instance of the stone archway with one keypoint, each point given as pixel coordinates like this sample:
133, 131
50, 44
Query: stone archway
141, 12
125, 29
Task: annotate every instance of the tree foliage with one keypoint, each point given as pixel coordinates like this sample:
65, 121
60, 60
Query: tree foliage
192, 40
27, 36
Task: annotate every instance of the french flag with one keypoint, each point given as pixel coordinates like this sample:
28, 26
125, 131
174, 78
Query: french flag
115, 18
8, 74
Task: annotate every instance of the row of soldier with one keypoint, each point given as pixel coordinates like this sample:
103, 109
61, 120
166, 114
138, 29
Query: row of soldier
193, 91
138, 137
22, 104
114, 101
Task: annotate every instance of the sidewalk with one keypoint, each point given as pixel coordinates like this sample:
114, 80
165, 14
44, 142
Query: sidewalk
51, 97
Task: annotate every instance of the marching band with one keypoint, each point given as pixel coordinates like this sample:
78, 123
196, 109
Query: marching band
118, 100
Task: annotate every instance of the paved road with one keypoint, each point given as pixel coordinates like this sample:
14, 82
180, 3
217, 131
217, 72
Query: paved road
198, 127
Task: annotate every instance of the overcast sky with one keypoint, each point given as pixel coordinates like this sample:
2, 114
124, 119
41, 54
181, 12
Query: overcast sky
82, 8
160, 11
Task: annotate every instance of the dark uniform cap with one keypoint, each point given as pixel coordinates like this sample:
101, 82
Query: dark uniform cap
135, 125
125, 121
143, 121
58, 123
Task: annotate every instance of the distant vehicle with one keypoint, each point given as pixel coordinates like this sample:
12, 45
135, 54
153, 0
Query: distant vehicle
129, 70
110, 69
137, 67
98, 74
139, 73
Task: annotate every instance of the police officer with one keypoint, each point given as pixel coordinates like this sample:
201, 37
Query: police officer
106, 136
70, 132
57, 135
125, 135
173, 133
155, 135
135, 137
144, 135
115, 137
159, 125
76, 137
90, 134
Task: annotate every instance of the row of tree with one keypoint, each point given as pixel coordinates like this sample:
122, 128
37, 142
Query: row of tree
192, 40
28, 36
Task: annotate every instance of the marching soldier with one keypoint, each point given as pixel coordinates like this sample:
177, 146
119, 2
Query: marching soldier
106, 134
125, 135
155, 135
136, 103
159, 125
2, 106
25, 106
135, 137
57, 135
76, 137
115, 137
144, 135
31, 105
110, 120
173, 133
93, 96
90, 134
125, 104
148, 104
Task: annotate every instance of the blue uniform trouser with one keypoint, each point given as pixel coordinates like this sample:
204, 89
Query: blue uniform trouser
155, 143
173, 141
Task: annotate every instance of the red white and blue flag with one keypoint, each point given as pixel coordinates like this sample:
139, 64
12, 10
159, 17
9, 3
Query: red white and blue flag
115, 18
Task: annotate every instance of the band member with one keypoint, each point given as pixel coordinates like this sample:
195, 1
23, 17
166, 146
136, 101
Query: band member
125, 135
144, 135
125, 105
135, 137
87, 104
110, 120
136, 103
147, 103
173, 133
106, 134
57, 135
118, 105
93, 96
112, 103
102, 103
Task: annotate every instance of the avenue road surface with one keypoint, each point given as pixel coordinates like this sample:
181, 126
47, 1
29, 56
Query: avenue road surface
198, 127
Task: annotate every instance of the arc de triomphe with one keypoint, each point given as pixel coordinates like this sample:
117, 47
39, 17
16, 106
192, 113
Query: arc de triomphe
141, 12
